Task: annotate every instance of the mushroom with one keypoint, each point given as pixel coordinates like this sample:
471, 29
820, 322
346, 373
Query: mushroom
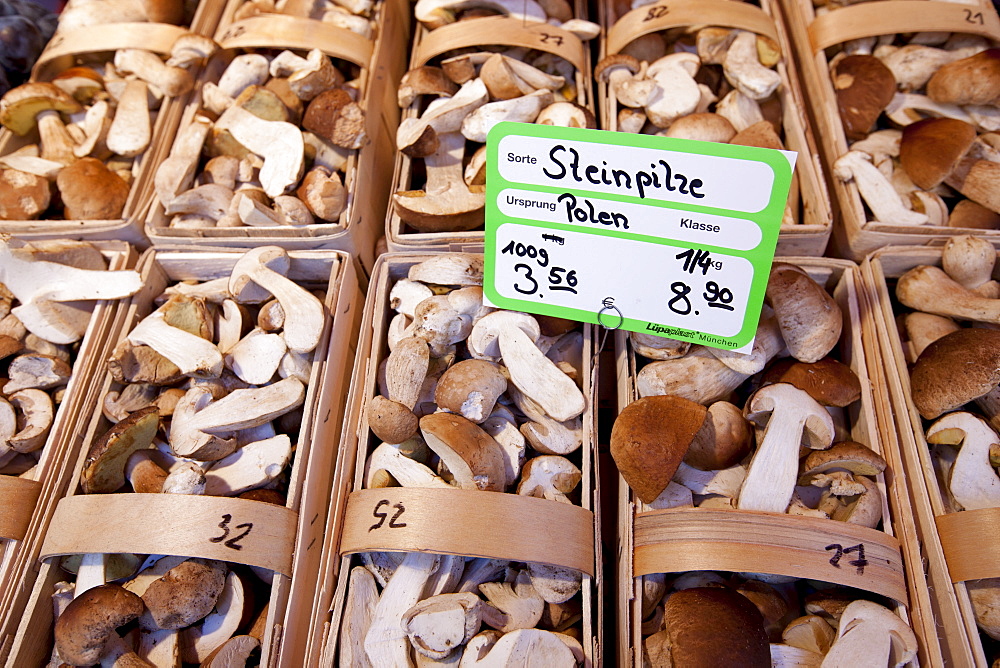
549, 477
89, 621
973, 483
301, 333
796, 419
954, 370
519, 647
864, 87
131, 131
872, 634
185, 594
386, 643
280, 144
104, 468
512, 605
470, 388
710, 626
446, 203
810, 320
197, 642
473, 458
436, 13
876, 190
437, 625
91, 191
743, 69
971, 80
538, 377
647, 447
677, 92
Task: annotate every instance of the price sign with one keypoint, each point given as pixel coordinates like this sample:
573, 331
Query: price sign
664, 236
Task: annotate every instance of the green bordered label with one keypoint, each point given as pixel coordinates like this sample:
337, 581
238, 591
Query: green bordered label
671, 237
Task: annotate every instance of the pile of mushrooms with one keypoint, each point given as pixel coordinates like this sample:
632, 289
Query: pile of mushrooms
952, 343
920, 115
709, 618
477, 399
353, 15
208, 398
686, 443
88, 129
47, 293
701, 82
268, 147
787, 451
450, 108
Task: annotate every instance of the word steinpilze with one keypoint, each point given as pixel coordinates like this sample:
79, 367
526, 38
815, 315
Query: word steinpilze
659, 175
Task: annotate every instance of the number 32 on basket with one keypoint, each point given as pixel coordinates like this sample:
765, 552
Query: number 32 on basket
672, 237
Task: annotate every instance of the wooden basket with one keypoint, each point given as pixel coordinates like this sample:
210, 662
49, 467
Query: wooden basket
64, 51
811, 235
284, 539
574, 536
428, 45
28, 504
368, 170
734, 540
950, 559
856, 236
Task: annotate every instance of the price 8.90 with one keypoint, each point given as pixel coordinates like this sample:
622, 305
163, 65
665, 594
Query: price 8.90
715, 295
530, 279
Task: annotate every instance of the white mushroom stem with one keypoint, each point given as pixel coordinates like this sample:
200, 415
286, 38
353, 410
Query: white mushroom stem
57, 145
973, 481
304, 327
131, 129
538, 377
386, 643
876, 190
192, 354
407, 472
795, 418
280, 144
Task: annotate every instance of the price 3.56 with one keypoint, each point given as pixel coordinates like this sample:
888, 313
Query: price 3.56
558, 278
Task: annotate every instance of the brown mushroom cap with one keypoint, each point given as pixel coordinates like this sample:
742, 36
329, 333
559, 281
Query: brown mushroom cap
650, 438
972, 80
603, 69
91, 191
954, 370
23, 196
723, 440
390, 420
931, 148
470, 388
712, 626
186, 593
336, 117
424, 80
969, 214
452, 437
829, 382
761, 134
848, 455
85, 625
810, 320
864, 86
104, 470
